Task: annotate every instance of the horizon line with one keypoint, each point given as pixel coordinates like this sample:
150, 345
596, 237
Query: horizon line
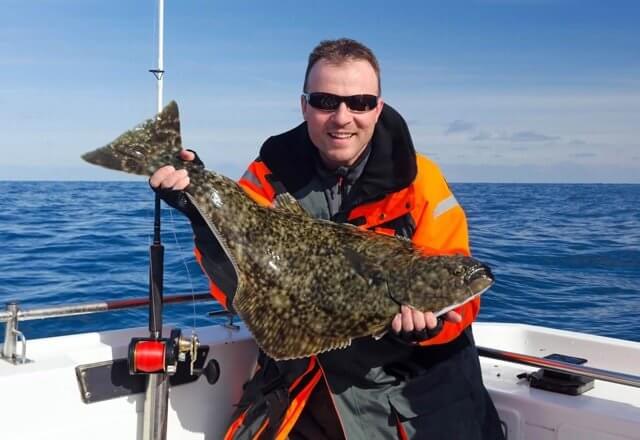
448, 181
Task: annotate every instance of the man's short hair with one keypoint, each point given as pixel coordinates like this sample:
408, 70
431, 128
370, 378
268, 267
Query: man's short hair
337, 52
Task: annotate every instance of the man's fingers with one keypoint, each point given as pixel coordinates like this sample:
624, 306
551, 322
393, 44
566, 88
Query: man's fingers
187, 155
168, 177
407, 319
419, 320
175, 180
431, 320
396, 323
453, 316
182, 183
180, 180
160, 175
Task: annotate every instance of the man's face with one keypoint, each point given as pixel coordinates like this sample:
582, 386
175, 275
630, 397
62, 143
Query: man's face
341, 135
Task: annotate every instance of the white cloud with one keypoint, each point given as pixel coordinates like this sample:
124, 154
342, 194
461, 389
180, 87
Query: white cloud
481, 136
530, 136
459, 126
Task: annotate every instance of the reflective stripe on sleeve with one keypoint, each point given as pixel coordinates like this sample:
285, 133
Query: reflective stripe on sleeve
250, 177
445, 205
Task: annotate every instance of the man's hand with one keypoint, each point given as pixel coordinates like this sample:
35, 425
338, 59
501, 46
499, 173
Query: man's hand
410, 321
168, 177
169, 183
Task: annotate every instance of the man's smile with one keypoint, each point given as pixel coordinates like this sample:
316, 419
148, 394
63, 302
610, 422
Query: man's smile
340, 135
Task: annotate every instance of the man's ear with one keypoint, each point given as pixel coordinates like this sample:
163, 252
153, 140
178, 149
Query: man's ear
379, 108
303, 107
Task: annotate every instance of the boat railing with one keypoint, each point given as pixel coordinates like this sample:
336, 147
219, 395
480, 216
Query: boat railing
14, 314
561, 367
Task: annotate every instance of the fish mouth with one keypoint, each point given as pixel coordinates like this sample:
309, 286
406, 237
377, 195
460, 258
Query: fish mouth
480, 278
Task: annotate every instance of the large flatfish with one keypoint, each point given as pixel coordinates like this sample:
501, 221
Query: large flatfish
304, 286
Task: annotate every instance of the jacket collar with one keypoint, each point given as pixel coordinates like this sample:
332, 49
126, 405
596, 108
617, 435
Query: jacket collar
391, 165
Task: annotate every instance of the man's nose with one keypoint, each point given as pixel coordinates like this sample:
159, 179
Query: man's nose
342, 115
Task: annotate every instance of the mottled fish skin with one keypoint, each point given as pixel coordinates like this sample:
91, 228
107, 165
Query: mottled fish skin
305, 285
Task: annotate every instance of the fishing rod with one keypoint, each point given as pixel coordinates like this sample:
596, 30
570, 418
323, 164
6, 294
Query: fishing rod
155, 356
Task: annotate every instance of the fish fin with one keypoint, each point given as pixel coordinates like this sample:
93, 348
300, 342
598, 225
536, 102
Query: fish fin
376, 278
283, 330
287, 203
368, 269
220, 266
305, 347
360, 263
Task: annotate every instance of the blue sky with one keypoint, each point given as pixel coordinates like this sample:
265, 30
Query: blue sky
493, 90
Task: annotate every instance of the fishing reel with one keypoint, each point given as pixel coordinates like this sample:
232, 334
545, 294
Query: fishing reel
149, 356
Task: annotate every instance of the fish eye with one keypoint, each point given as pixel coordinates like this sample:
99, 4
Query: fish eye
137, 151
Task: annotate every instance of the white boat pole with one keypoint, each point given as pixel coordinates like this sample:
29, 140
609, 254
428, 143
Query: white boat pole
156, 401
158, 72
160, 52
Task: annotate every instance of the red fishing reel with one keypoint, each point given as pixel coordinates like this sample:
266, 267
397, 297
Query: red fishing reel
149, 355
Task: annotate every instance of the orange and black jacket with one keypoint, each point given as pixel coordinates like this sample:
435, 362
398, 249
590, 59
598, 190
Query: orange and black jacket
384, 388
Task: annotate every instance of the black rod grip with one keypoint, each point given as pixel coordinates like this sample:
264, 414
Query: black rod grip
156, 266
156, 275
156, 219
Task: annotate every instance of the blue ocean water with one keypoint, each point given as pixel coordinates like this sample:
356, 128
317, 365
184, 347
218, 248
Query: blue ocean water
565, 256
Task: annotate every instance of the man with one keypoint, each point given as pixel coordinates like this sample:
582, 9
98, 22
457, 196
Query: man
353, 160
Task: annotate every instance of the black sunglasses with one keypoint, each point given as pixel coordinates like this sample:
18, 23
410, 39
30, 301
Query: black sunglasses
331, 102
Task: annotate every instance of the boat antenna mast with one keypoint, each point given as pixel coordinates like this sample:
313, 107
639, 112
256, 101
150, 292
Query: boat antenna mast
158, 72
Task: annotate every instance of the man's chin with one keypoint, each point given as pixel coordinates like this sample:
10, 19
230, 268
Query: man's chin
338, 157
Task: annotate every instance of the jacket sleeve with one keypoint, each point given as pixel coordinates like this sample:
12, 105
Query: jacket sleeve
441, 226
209, 253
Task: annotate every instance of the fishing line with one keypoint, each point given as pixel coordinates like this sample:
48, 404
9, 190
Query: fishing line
173, 227
186, 266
